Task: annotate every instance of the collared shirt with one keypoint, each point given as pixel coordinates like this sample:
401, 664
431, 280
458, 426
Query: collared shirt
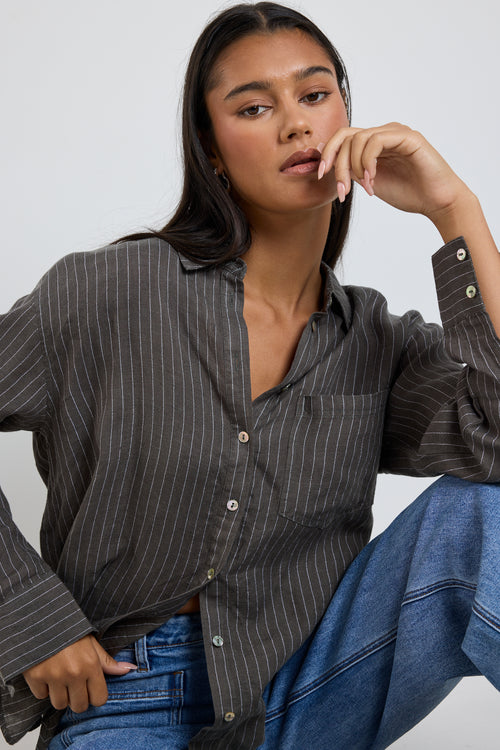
164, 479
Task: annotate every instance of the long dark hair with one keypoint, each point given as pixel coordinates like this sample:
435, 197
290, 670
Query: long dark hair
208, 226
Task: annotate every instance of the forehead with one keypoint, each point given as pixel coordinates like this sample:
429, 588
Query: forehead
268, 56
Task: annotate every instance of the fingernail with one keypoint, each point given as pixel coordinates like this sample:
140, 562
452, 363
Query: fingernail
321, 146
321, 169
341, 191
127, 665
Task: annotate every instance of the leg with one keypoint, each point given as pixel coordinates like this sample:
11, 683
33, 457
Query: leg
416, 611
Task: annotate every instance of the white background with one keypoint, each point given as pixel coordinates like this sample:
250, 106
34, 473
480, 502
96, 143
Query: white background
89, 144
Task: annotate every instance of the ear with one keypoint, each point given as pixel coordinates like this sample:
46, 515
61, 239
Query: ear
209, 148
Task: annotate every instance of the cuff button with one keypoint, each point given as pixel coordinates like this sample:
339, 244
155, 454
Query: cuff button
471, 292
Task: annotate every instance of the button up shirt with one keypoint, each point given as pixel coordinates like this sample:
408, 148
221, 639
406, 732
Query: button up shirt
130, 365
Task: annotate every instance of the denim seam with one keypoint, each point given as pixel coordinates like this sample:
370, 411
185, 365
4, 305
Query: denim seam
159, 647
487, 616
334, 672
425, 591
140, 694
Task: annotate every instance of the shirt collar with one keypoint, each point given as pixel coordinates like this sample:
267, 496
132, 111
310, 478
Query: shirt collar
237, 266
335, 295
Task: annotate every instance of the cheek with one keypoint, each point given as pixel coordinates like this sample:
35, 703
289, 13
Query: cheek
338, 120
238, 145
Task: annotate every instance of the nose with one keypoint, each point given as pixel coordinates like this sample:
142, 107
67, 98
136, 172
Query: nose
295, 124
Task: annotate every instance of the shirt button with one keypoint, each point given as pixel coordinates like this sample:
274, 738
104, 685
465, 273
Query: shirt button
314, 326
218, 641
471, 292
210, 574
243, 437
232, 505
461, 254
229, 716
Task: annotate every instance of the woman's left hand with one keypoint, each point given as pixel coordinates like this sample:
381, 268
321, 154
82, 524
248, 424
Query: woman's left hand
396, 164
399, 166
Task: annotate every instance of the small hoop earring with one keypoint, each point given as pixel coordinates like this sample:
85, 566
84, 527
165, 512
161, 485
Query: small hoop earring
224, 179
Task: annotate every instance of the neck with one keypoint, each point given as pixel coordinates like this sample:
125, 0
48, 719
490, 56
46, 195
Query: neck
284, 259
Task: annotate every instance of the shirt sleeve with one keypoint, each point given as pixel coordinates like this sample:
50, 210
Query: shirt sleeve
443, 414
38, 615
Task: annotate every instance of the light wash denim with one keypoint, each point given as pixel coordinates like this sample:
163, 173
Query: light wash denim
417, 610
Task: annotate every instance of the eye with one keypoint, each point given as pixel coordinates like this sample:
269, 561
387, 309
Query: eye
253, 111
315, 96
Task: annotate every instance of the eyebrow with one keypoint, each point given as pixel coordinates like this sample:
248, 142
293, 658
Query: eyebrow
300, 75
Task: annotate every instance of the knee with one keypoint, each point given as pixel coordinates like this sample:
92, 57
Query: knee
458, 514
454, 497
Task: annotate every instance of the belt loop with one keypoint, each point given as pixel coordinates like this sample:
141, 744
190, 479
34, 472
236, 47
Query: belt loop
141, 655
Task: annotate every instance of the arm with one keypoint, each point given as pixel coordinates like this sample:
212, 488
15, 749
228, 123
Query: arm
442, 417
465, 218
38, 615
399, 166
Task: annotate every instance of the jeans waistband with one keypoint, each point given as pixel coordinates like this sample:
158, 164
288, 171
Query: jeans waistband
179, 630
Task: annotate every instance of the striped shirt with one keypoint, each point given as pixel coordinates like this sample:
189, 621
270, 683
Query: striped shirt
164, 479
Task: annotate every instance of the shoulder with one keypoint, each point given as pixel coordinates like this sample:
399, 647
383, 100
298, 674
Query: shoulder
95, 271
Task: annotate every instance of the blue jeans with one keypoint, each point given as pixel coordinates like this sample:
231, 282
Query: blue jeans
416, 611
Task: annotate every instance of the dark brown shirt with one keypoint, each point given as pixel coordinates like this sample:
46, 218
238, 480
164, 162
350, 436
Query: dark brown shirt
131, 367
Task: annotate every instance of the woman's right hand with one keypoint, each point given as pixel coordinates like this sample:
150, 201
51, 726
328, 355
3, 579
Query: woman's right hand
74, 677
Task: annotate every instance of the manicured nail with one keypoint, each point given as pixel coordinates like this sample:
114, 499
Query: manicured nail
341, 191
321, 146
321, 169
127, 665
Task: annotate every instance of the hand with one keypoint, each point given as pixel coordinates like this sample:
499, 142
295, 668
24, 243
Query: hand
395, 163
74, 677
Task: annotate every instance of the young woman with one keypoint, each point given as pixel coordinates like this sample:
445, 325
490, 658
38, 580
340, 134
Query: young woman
210, 409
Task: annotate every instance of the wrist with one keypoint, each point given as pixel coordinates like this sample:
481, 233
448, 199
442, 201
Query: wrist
455, 219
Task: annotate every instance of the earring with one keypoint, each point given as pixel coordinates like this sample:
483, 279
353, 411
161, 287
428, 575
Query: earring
224, 179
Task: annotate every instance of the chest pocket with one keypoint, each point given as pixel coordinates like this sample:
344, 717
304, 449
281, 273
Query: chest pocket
332, 458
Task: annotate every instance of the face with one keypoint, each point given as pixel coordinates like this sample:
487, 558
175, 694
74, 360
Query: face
275, 102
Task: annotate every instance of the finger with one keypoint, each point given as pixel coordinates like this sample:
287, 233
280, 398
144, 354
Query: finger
78, 697
97, 689
110, 665
58, 695
343, 169
366, 147
39, 689
358, 148
330, 151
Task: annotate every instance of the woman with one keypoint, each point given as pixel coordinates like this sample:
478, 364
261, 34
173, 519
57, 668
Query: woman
210, 416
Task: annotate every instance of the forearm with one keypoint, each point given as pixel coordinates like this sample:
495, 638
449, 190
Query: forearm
465, 218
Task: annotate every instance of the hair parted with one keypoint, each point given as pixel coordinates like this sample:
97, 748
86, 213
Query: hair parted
208, 226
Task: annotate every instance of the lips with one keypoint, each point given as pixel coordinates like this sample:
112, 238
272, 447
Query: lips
302, 161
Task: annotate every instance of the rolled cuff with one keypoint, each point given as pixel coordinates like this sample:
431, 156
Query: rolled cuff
37, 623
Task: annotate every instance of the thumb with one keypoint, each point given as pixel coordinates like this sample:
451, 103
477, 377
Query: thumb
110, 665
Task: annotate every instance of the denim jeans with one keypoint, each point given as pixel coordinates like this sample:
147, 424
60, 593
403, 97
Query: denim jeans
416, 611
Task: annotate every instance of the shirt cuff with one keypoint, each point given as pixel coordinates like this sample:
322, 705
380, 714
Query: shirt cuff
37, 623
457, 288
